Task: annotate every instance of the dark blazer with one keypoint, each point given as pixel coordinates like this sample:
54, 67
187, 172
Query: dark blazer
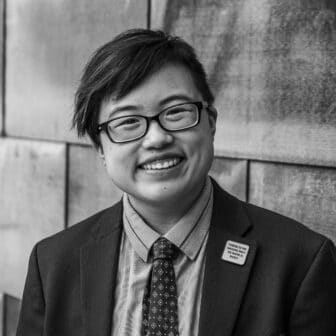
287, 285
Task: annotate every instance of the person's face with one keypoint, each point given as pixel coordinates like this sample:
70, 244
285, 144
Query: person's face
133, 166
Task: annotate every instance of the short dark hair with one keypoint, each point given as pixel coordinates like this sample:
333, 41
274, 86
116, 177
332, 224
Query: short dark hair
125, 62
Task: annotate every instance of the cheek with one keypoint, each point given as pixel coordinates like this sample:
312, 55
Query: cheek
121, 164
116, 163
202, 152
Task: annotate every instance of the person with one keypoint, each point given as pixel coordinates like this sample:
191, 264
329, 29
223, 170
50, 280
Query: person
177, 255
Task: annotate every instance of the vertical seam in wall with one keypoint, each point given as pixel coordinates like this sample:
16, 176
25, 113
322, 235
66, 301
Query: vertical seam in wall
249, 81
66, 185
4, 314
3, 65
149, 13
247, 186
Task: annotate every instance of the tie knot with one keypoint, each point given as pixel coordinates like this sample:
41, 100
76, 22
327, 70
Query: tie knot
164, 249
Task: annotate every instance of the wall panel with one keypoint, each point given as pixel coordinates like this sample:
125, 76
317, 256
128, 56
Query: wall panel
9, 306
90, 188
307, 194
1, 65
32, 184
272, 67
47, 46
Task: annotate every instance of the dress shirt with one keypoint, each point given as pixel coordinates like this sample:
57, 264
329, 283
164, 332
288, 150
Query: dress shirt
189, 234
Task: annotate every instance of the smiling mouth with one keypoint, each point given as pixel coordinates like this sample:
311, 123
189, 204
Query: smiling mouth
162, 164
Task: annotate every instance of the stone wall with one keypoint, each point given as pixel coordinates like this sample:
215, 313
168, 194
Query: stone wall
271, 64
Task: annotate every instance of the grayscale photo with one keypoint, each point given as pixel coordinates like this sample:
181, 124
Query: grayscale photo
168, 168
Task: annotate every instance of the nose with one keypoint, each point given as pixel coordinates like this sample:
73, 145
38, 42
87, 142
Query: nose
156, 136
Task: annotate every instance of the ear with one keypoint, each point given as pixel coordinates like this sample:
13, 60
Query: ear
212, 115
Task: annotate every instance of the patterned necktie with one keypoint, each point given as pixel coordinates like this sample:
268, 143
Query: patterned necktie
160, 300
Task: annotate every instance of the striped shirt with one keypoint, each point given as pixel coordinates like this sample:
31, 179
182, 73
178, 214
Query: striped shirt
189, 234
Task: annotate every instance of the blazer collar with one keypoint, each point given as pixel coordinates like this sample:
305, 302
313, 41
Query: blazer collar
98, 269
224, 282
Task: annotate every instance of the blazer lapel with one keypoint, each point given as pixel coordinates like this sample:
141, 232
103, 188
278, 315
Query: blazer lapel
99, 266
224, 282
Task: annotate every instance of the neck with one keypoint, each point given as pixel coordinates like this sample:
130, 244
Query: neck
162, 217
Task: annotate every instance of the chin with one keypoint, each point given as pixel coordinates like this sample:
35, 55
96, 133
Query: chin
152, 192
167, 193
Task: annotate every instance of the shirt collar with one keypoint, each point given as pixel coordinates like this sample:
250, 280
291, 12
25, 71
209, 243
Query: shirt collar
187, 234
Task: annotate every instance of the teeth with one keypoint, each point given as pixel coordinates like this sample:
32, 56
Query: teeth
161, 164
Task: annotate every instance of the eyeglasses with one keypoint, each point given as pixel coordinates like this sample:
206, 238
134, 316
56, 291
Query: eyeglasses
133, 127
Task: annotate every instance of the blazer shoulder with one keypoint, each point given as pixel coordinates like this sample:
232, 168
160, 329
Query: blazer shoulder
286, 248
264, 225
280, 229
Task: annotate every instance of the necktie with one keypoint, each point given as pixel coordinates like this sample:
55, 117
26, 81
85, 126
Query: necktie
160, 300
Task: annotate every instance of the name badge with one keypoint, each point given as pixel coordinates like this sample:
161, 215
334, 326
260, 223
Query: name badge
235, 252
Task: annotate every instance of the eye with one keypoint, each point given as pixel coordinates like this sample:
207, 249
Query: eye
179, 112
127, 122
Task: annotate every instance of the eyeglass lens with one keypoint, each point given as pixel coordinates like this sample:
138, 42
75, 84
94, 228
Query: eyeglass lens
172, 119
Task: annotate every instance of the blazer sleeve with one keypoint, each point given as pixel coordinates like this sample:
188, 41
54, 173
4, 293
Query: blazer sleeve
314, 310
31, 319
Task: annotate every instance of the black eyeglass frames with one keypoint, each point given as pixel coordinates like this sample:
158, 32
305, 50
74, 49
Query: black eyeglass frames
172, 119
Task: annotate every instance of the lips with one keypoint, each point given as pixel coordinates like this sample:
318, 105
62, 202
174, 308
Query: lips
161, 164
162, 161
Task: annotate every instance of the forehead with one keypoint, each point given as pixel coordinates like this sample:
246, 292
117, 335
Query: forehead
170, 84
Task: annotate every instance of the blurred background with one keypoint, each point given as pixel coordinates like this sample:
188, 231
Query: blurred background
271, 65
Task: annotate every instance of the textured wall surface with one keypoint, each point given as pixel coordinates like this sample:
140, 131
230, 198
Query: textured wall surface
89, 188
271, 65
32, 176
307, 194
1, 64
49, 43
9, 310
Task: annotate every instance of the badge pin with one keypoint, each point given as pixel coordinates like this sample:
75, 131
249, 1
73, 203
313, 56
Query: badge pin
235, 252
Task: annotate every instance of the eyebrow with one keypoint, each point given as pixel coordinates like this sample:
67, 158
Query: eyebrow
175, 97
162, 103
124, 108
